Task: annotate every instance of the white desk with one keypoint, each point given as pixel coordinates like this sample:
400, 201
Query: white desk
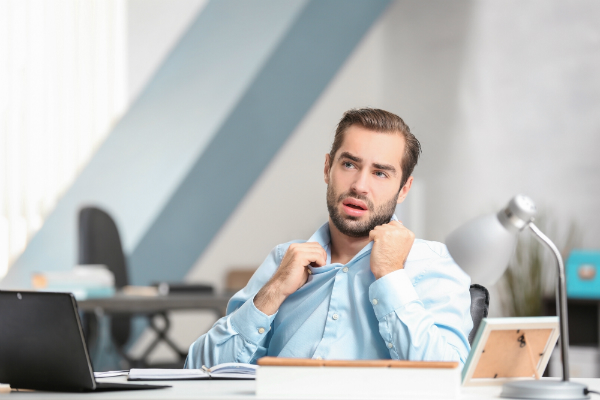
225, 390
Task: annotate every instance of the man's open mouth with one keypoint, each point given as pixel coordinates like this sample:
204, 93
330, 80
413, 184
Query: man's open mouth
354, 206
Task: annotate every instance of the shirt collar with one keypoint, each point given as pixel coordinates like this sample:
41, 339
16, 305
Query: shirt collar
323, 237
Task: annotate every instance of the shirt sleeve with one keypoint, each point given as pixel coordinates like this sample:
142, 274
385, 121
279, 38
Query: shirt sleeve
424, 310
243, 335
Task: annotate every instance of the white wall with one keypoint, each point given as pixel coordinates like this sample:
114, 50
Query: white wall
153, 28
526, 116
518, 113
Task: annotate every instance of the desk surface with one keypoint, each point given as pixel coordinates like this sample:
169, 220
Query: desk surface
121, 303
224, 390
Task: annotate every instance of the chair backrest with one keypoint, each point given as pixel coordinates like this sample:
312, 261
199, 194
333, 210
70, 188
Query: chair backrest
480, 304
100, 243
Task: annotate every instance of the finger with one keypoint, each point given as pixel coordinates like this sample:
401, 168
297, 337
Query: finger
312, 256
315, 250
322, 260
318, 260
323, 255
397, 225
297, 249
314, 246
373, 235
305, 245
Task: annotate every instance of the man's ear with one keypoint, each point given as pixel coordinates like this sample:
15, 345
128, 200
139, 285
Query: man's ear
405, 189
326, 169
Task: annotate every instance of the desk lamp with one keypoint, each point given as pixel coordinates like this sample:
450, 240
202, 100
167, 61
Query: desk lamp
482, 248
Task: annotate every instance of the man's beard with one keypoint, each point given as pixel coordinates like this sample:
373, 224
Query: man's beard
349, 225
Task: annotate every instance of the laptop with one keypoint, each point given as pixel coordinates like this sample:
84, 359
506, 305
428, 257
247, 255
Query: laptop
42, 345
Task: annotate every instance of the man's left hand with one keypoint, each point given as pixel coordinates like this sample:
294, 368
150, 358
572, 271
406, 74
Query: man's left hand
391, 244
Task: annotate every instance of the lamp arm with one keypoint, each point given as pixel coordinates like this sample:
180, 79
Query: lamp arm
561, 301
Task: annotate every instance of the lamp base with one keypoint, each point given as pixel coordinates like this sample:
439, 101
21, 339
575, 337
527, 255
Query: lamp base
544, 389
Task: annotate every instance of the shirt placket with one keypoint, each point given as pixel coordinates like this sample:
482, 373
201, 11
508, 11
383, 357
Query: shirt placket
334, 315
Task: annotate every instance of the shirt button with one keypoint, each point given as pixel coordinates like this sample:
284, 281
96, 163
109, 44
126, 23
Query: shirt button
374, 302
345, 269
335, 316
389, 345
261, 330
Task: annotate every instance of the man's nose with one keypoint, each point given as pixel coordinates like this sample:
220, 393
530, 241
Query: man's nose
360, 185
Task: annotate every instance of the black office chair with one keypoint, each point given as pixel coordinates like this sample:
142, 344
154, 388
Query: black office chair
100, 243
480, 304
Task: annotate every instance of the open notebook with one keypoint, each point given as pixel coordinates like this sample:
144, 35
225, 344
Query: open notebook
221, 371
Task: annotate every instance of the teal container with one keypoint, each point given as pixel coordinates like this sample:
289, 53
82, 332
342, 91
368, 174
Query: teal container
583, 274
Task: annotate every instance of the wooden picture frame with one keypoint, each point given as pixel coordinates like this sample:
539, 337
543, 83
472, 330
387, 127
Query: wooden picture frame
507, 349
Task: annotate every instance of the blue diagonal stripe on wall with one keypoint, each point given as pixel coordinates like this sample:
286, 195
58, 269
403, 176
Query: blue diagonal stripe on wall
292, 79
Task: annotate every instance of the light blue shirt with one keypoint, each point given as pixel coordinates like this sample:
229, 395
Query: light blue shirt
421, 312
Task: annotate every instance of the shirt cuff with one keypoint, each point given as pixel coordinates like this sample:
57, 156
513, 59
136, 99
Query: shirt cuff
391, 292
251, 323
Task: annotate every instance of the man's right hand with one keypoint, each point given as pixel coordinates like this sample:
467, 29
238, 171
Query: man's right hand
291, 275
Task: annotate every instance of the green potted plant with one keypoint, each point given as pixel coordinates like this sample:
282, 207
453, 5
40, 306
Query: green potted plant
531, 273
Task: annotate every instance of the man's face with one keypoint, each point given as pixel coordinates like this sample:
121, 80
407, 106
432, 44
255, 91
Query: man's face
364, 180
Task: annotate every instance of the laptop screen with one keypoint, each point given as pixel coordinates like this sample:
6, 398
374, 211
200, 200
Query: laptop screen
41, 342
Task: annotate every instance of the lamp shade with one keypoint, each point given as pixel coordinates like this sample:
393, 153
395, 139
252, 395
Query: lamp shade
483, 247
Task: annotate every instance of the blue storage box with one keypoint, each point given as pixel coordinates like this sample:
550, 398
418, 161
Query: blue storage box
583, 274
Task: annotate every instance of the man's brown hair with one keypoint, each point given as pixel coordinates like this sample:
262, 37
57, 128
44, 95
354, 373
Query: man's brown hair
379, 121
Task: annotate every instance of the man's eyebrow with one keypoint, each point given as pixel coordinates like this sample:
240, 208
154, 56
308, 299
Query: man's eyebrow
345, 154
385, 167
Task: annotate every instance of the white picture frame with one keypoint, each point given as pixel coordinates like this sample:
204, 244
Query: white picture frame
513, 360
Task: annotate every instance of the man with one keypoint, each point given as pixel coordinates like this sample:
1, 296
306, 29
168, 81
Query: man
361, 287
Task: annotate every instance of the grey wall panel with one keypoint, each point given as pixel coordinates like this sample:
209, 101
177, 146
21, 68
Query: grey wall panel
305, 61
